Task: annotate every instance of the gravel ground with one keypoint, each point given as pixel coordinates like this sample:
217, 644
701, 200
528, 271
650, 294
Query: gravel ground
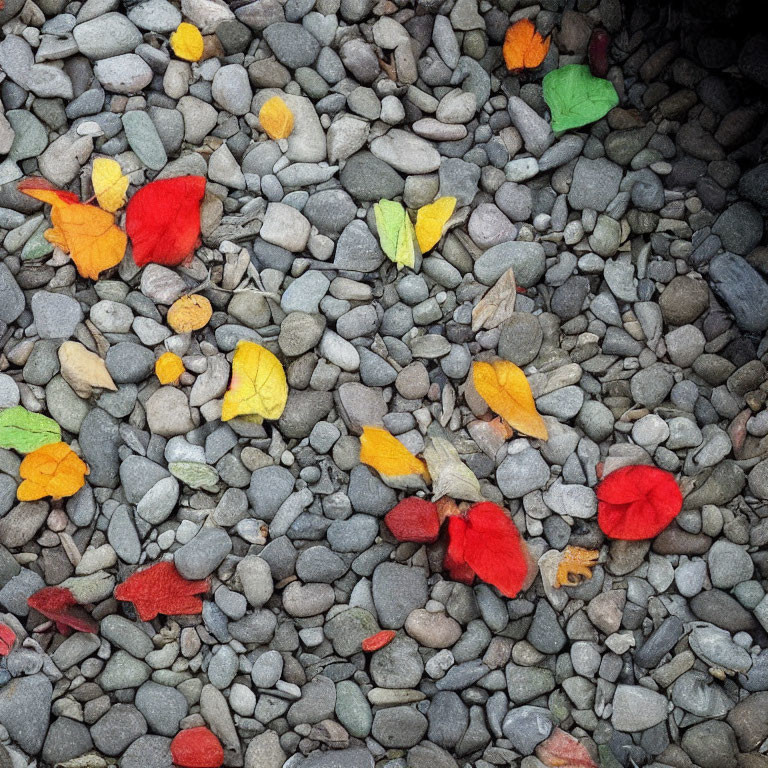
640, 322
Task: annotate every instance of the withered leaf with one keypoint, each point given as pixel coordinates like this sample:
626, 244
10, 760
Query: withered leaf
450, 476
497, 305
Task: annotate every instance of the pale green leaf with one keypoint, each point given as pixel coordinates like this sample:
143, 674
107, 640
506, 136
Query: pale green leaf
576, 98
25, 432
396, 233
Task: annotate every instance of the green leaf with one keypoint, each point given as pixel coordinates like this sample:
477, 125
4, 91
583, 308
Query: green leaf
576, 98
396, 233
195, 474
25, 431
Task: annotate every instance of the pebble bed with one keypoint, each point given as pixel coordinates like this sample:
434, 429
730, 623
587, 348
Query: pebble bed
636, 243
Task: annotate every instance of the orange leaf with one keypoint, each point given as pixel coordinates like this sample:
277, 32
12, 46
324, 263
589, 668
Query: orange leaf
276, 118
391, 459
168, 368
575, 561
505, 389
87, 233
189, 313
53, 470
524, 47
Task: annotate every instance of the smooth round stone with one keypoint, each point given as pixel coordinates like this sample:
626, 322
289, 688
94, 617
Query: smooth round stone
729, 564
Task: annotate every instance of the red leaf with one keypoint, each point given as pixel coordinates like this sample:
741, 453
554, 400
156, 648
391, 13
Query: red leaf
484, 541
414, 519
196, 748
160, 589
598, 52
59, 605
637, 502
163, 220
39, 184
379, 640
7, 639
561, 750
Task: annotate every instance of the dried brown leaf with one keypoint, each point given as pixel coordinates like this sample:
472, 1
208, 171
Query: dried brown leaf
497, 305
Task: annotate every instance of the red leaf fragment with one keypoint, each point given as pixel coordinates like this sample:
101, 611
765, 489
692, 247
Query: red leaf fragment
379, 640
414, 519
59, 605
561, 750
485, 542
597, 53
197, 748
163, 220
637, 502
7, 636
161, 589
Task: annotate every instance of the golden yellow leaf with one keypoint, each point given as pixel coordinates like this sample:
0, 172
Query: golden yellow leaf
390, 458
53, 470
189, 313
168, 368
276, 118
187, 42
430, 221
258, 387
575, 561
109, 183
505, 389
83, 370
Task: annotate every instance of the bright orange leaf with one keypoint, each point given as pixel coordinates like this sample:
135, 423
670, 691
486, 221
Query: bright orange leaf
168, 368
86, 232
391, 459
505, 389
189, 313
53, 470
575, 562
524, 47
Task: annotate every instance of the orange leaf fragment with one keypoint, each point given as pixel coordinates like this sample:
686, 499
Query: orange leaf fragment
524, 47
87, 233
505, 389
52, 470
168, 368
379, 640
575, 562
189, 313
391, 459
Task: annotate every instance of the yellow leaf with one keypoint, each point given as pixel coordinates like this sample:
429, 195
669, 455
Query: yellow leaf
505, 389
189, 313
258, 387
168, 368
575, 561
276, 118
109, 183
430, 221
53, 470
187, 42
390, 458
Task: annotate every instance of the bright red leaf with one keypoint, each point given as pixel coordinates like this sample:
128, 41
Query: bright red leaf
161, 589
637, 502
485, 542
7, 639
561, 750
379, 640
414, 519
196, 748
59, 605
163, 220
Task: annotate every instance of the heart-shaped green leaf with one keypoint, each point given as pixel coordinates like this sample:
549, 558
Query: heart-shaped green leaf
576, 98
25, 431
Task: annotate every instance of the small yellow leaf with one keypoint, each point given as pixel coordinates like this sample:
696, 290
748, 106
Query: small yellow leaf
187, 42
258, 387
430, 221
391, 459
168, 368
53, 470
109, 183
505, 389
276, 118
575, 561
189, 313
